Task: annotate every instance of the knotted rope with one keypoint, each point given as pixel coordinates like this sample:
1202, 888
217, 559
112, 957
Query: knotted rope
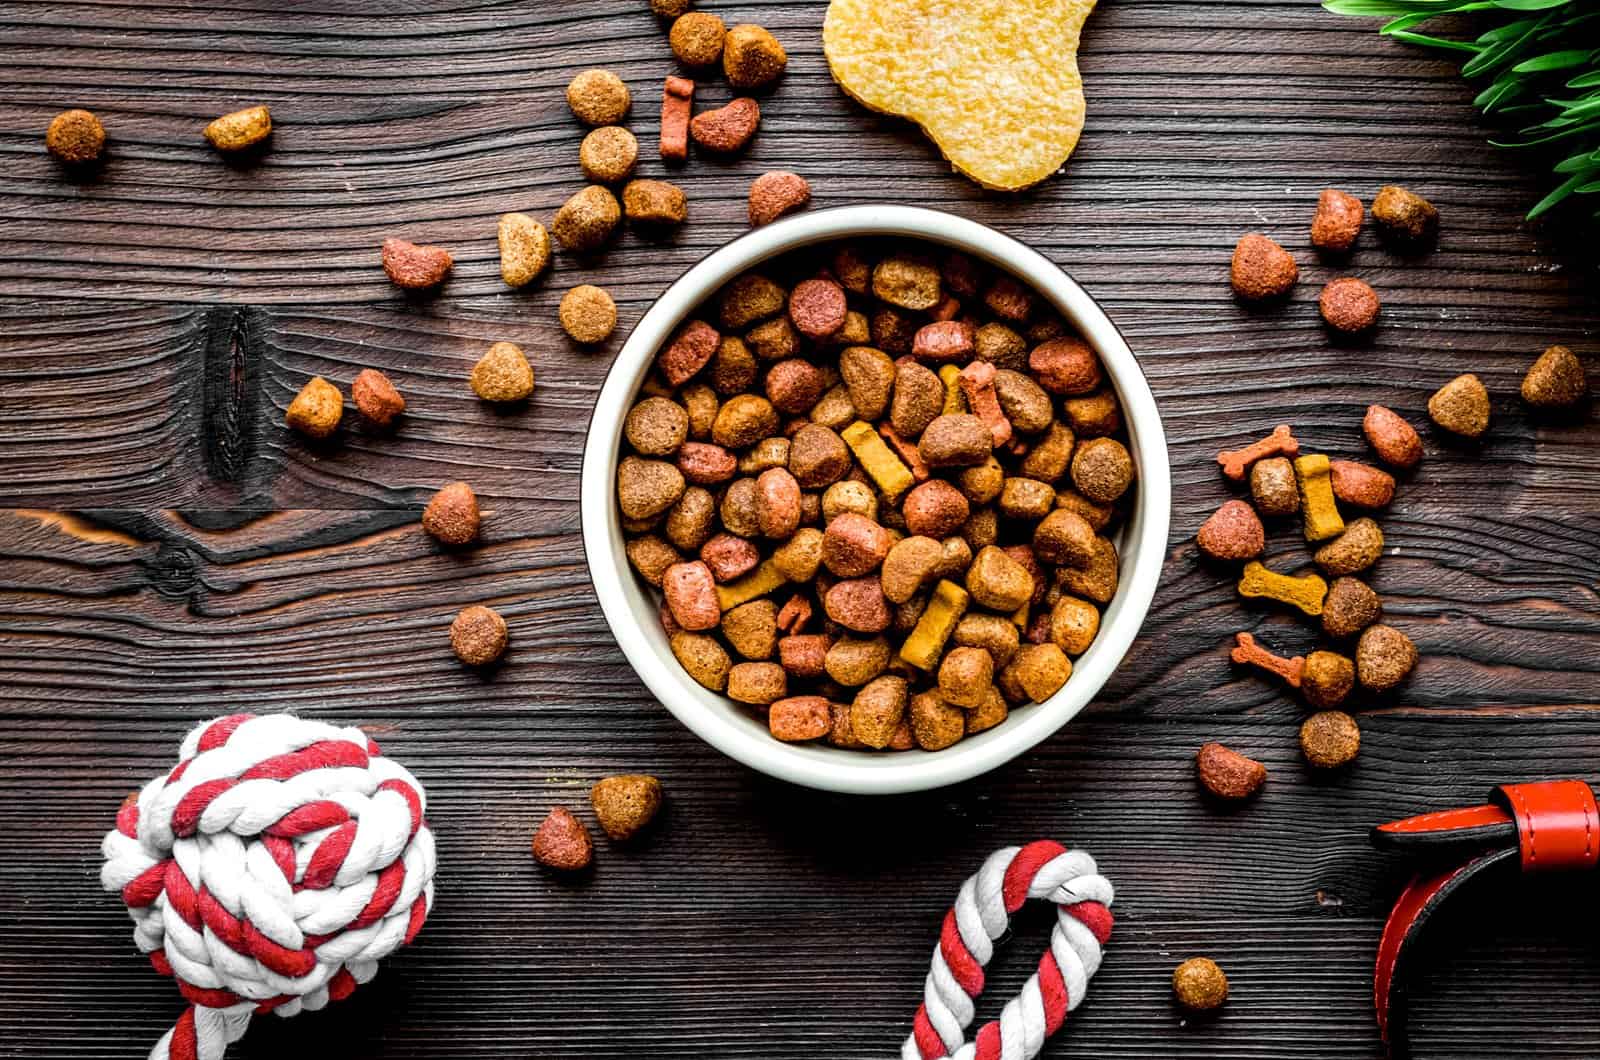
981, 915
269, 871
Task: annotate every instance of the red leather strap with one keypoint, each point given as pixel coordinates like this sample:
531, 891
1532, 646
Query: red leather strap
1447, 820
1558, 824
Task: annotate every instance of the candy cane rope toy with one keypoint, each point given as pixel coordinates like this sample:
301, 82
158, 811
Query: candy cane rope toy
982, 912
269, 871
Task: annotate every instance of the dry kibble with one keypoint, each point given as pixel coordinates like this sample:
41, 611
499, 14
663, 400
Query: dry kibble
794, 386
1262, 270
1000, 346
452, 517
986, 715
691, 594
696, 38
702, 658
774, 194
853, 661
1461, 406
669, 8
777, 503
868, 375
773, 340
760, 683
1329, 739
1039, 670
1384, 656
240, 130
1394, 440
524, 249
688, 352
1555, 380
1065, 538
817, 307
1073, 624
1199, 984
656, 426
677, 107
588, 314
726, 129
503, 374
376, 398
705, 464
1008, 298
958, 440
647, 488
752, 629
858, 604
654, 203
598, 97
965, 677
651, 556
1337, 221
1349, 305
854, 545
1233, 532
625, 804
1404, 216
1360, 485
1098, 580
997, 581
1327, 679
800, 718
562, 842
413, 267
936, 724
743, 420
1352, 551
1226, 773
317, 409
478, 635
748, 299
1273, 488
1351, 606
935, 509
908, 282
586, 221
752, 57
878, 709
1102, 469
1095, 415
1027, 407
75, 137
608, 155
1066, 366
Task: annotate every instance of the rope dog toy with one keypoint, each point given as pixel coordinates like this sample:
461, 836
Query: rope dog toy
982, 913
269, 871
1550, 826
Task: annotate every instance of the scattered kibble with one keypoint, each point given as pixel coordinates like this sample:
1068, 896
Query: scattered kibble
654, 203
752, 57
696, 38
1199, 984
1273, 487
317, 409
524, 249
608, 155
452, 517
1327, 679
478, 635
1247, 652
1352, 551
1234, 532
598, 97
1384, 657
75, 137
1360, 485
1318, 508
1555, 380
240, 130
625, 804
1281, 442
1351, 606
587, 220
669, 8
1330, 739
376, 398
562, 842
502, 374
726, 129
1262, 270
1337, 222
414, 267
774, 194
588, 314
1394, 440
1349, 305
1404, 216
677, 105
1461, 406
1226, 773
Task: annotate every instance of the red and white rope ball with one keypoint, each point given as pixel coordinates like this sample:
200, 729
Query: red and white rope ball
982, 912
270, 871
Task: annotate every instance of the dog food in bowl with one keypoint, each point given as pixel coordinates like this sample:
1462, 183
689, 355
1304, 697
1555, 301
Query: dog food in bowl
873, 483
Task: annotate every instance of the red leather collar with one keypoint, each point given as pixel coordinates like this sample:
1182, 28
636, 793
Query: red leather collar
1551, 825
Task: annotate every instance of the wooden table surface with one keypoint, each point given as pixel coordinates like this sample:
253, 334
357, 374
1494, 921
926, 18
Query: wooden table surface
173, 552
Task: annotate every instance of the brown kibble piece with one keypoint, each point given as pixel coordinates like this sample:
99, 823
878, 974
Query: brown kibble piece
656, 426
1102, 469
743, 420
654, 203
1337, 221
747, 299
376, 398
562, 842
1074, 624
944, 340
1404, 216
1353, 551
503, 374
1067, 366
752, 57
907, 282
817, 307
868, 375
1349, 305
608, 154
317, 409
651, 556
1001, 347
1095, 415
677, 107
696, 38
1247, 652
1351, 606
934, 723
586, 221
1461, 406
688, 352
935, 509
1261, 269
702, 658
1234, 532
1097, 581
800, 718
965, 676
909, 563
598, 97
625, 804
757, 683
1065, 538
1199, 984
1281, 442
1273, 487
478, 635
240, 130
729, 557
774, 194
1384, 656
524, 249
1226, 773
413, 267
1039, 670
669, 8
646, 488
1392, 438
997, 581
1555, 380
75, 137
452, 515
588, 314
1327, 680
777, 503
752, 629
1361, 485
726, 129
1330, 738
956, 440
878, 709
1009, 299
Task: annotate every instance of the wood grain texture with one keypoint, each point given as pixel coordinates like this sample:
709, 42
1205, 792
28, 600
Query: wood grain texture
171, 551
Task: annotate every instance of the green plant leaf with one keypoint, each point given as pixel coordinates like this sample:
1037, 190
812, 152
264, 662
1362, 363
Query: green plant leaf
1545, 204
1554, 61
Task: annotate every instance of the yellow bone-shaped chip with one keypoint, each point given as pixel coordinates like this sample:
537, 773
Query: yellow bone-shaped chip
1306, 592
994, 82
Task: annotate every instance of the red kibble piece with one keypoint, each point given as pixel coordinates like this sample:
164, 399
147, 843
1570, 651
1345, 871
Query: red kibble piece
944, 340
677, 107
688, 352
691, 592
817, 308
562, 842
1394, 440
1234, 532
977, 383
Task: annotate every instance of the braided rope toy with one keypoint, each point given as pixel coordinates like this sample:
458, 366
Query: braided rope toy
269, 871
982, 913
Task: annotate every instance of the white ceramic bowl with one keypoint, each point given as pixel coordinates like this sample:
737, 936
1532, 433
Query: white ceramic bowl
736, 730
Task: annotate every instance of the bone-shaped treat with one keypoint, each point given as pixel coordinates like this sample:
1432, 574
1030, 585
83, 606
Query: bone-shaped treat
1249, 653
1281, 442
1305, 592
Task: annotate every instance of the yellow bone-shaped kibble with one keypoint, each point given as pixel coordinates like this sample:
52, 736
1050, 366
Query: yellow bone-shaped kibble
1321, 513
925, 645
1305, 592
886, 469
954, 404
758, 582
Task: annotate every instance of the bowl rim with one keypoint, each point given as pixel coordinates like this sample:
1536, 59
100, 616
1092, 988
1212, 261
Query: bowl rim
711, 716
